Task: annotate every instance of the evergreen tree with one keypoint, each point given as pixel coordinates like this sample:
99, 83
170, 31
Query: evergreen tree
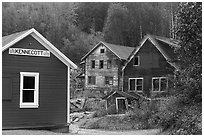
116, 24
189, 32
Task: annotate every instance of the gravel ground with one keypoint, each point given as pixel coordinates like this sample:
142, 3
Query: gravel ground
31, 132
81, 132
125, 132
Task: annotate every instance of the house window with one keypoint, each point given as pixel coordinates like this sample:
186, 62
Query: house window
101, 64
29, 89
136, 61
93, 64
159, 84
136, 84
131, 84
91, 80
108, 80
102, 50
109, 64
139, 84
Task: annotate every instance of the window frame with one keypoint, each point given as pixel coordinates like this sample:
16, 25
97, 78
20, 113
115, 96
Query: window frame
102, 49
90, 82
92, 64
109, 64
138, 61
136, 84
129, 83
160, 84
109, 78
34, 104
100, 64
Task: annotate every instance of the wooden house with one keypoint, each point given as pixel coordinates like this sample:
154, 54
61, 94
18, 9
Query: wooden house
35, 82
103, 65
148, 67
146, 71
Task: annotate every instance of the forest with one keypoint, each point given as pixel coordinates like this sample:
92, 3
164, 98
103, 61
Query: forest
74, 28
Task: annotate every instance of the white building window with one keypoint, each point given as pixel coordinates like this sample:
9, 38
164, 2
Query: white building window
136, 84
159, 84
29, 89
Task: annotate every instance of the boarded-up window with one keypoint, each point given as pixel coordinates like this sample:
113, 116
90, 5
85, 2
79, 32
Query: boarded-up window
6, 89
91, 80
108, 80
109, 64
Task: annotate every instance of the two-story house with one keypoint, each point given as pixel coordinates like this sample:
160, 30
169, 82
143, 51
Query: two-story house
147, 69
146, 72
103, 66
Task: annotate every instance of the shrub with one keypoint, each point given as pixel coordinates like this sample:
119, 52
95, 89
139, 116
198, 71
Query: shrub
179, 117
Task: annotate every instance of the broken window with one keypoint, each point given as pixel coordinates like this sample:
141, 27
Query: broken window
109, 64
108, 80
93, 64
102, 51
91, 80
101, 62
131, 84
159, 84
164, 83
136, 61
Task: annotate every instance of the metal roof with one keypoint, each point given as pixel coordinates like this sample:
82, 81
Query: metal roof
169, 55
9, 38
124, 94
121, 52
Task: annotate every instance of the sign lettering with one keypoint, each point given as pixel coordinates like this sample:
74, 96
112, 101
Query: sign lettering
29, 52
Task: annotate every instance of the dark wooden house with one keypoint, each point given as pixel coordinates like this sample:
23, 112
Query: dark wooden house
145, 73
149, 66
35, 82
103, 65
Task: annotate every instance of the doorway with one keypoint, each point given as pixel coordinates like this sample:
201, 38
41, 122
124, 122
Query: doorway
121, 105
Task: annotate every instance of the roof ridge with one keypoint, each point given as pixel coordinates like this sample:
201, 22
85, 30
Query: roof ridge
116, 44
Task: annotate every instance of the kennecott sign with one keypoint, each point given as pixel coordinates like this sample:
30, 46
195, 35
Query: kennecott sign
29, 52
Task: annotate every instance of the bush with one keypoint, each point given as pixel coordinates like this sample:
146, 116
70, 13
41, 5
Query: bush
93, 104
179, 117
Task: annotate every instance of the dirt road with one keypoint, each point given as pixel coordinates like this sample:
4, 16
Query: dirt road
81, 132
125, 132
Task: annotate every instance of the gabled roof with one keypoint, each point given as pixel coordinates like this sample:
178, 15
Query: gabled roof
10, 40
156, 41
122, 52
124, 94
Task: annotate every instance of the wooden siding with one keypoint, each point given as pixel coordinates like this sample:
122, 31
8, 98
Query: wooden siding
101, 73
52, 87
152, 64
